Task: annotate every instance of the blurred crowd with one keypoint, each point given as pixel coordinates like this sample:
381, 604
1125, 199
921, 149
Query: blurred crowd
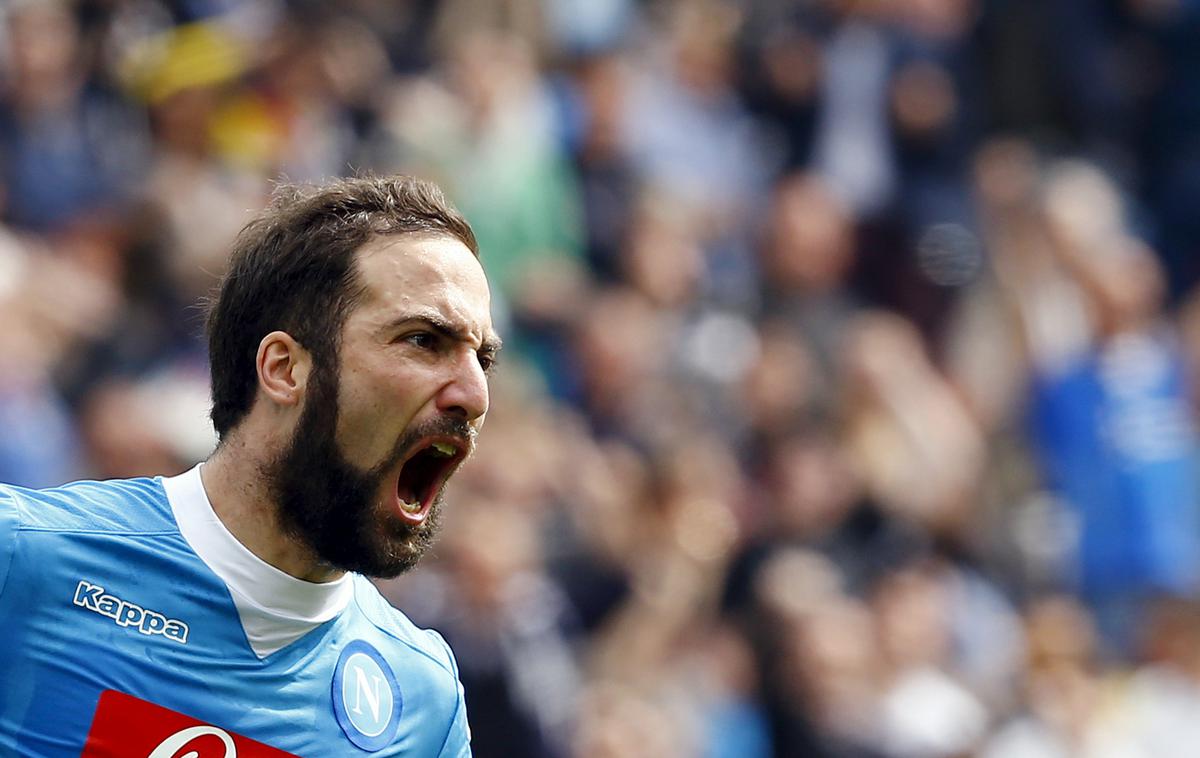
849, 403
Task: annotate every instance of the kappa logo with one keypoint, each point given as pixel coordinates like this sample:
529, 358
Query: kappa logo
148, 622
366, 699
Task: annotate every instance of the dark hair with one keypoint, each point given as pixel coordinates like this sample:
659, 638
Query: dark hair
292, 269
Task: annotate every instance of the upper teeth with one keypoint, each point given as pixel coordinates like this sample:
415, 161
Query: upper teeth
444, 449
410, 507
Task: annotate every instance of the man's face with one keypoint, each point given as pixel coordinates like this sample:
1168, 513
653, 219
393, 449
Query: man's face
381, 431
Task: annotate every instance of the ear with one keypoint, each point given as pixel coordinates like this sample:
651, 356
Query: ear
283, 367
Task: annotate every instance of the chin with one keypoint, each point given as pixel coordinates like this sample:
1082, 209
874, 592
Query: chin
391, 546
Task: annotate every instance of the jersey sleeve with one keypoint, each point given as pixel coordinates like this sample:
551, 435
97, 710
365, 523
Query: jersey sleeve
458, 740
8, 533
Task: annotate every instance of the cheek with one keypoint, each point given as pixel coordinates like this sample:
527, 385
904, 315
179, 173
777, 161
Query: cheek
373, 412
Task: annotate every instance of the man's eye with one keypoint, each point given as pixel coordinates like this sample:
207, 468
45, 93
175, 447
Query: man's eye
487, 361
423, 340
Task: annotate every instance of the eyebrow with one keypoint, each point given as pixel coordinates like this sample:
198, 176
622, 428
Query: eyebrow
490, 343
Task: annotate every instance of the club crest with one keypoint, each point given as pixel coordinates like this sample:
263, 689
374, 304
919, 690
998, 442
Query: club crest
366, 699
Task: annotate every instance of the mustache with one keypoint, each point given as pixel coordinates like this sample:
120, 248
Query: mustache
444, 426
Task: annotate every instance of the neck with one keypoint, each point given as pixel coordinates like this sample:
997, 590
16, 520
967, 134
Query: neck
235, 481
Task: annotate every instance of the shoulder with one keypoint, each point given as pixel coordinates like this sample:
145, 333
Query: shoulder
404, 635
119, 505
419, 669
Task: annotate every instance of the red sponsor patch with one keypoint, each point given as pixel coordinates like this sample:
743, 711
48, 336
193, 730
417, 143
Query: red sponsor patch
128, 727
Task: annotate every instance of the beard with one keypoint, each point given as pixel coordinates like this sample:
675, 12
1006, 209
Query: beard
334, 507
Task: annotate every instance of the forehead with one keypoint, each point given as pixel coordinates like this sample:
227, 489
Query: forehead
403, 274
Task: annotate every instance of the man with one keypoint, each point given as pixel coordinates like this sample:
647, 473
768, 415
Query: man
226, 609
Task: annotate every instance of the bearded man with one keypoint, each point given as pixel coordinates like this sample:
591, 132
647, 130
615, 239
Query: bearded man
228, 608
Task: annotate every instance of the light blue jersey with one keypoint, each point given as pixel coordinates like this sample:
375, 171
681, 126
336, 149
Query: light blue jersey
118, 639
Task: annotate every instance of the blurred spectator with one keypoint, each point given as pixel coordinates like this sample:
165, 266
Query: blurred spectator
1062, 682
806, 259
1109, 406
496, 142
69, 150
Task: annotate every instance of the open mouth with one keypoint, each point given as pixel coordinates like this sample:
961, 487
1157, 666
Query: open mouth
424, 472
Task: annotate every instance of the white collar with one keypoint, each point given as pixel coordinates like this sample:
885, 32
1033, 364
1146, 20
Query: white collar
275, 607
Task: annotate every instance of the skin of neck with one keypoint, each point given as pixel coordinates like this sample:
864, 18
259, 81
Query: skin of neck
235, 481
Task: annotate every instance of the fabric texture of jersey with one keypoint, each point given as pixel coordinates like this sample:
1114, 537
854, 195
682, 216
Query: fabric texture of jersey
109, 618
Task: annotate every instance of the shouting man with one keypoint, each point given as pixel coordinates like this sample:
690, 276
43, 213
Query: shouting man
227, 608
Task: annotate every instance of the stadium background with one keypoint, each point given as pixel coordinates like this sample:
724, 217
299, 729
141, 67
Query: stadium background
848, 408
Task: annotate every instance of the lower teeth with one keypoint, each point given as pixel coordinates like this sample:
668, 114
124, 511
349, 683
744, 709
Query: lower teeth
410, 507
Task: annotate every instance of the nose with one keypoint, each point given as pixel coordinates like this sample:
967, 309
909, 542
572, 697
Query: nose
465, 394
